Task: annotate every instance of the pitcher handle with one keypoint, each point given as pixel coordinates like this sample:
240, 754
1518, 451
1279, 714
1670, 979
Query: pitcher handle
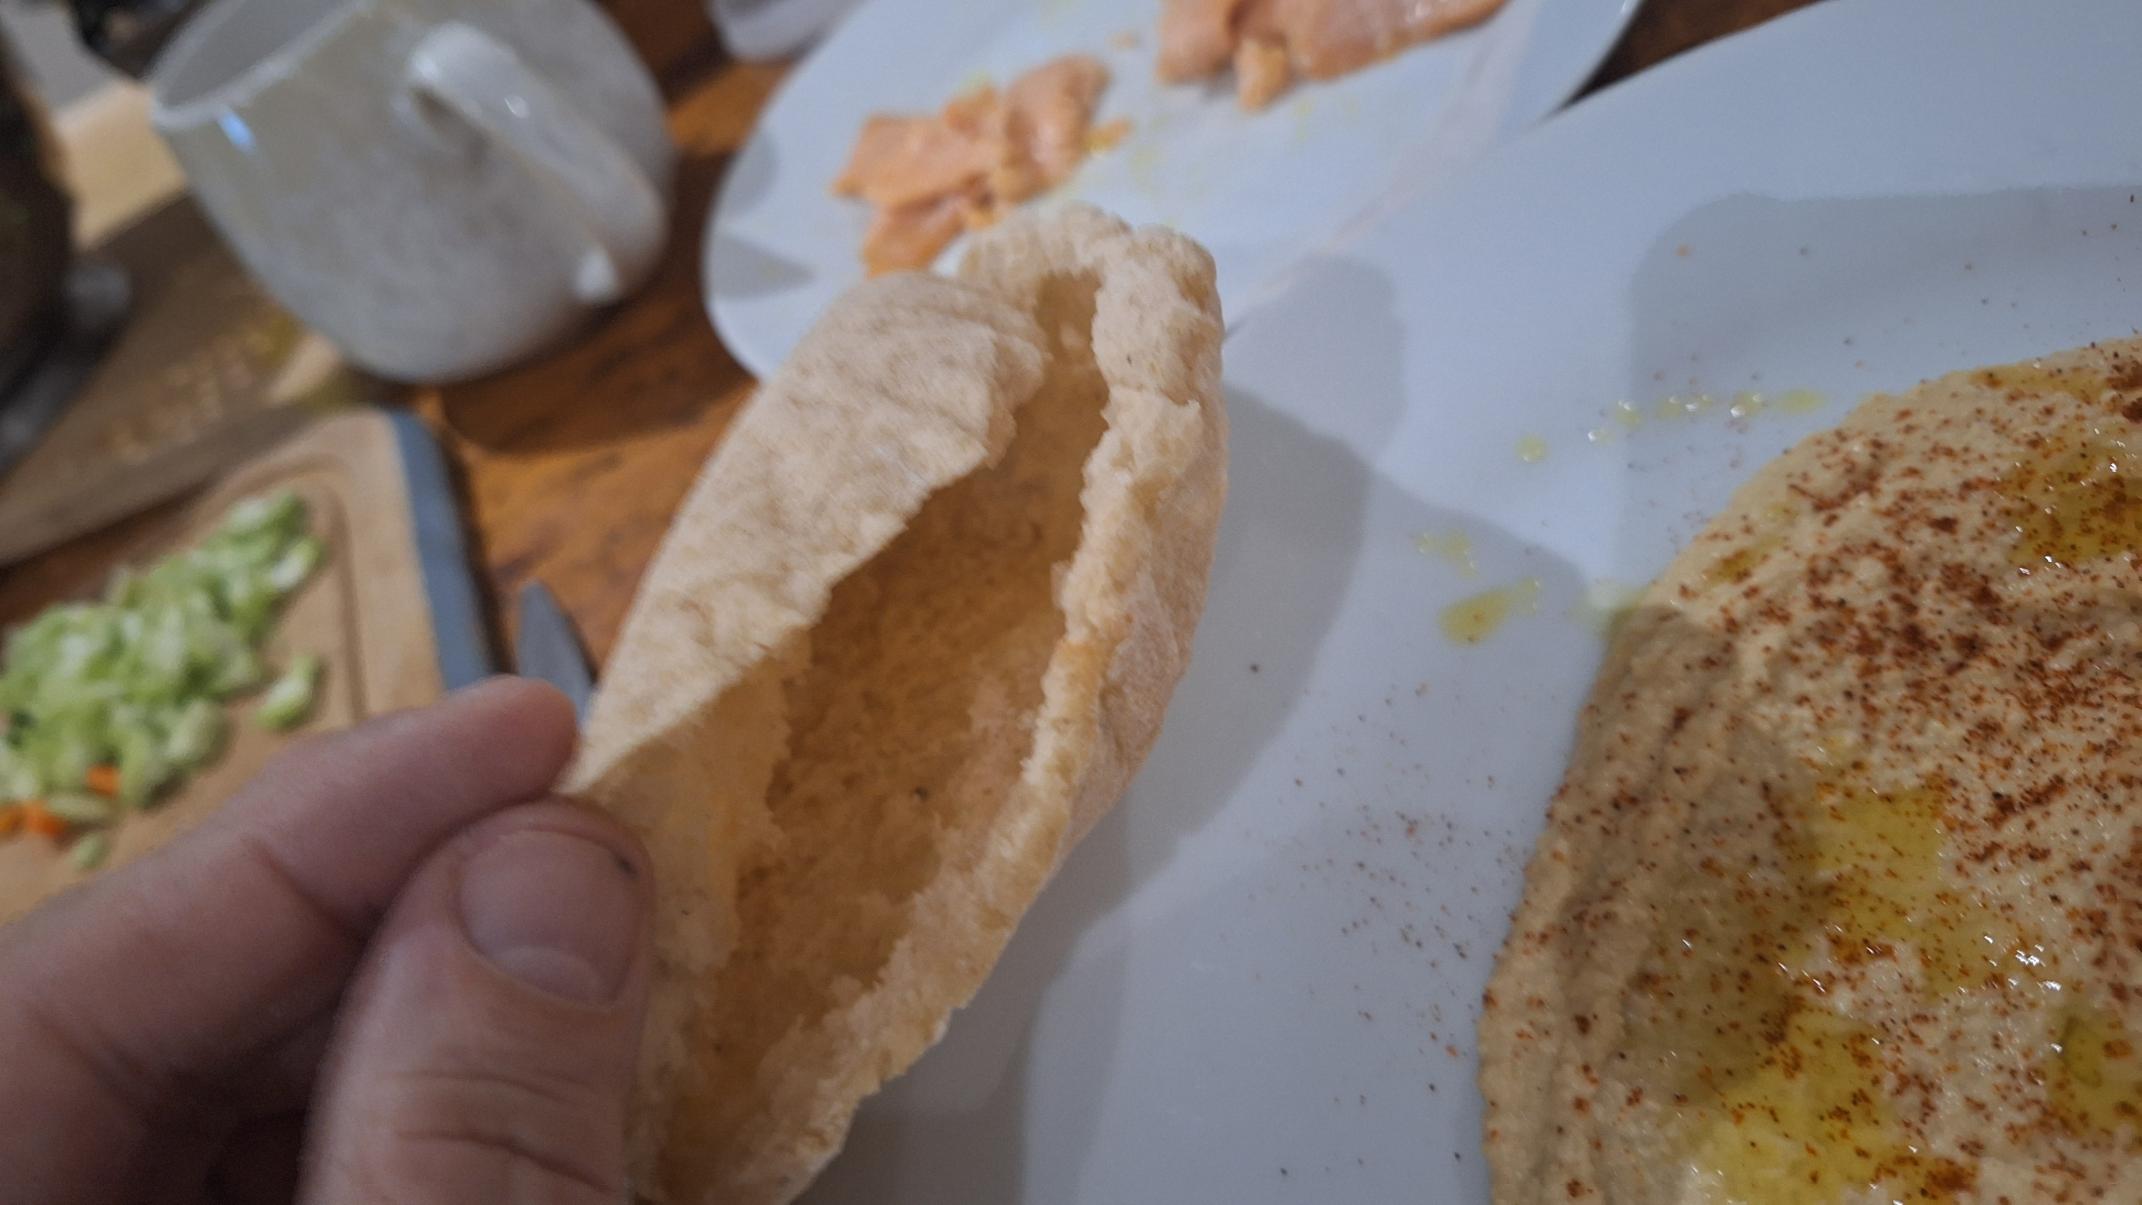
481, 80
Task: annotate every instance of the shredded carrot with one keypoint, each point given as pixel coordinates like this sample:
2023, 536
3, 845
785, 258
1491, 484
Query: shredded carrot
10, 820
36, 819
104, 780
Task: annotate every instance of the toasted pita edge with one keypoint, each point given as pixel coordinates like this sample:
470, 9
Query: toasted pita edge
1129, 597
907, 383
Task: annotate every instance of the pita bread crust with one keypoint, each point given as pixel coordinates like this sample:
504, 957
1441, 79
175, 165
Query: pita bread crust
913, 380
724, 674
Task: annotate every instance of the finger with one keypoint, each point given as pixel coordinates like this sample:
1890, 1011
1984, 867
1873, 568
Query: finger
260, 1163
486, 1049
239, 1144
281, 1078
123, 999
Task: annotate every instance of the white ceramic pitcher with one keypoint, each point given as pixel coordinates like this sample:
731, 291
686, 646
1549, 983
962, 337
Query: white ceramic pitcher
439, 186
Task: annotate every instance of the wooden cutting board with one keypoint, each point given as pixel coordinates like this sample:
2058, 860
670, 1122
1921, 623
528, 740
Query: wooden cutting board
370, 479
205, 371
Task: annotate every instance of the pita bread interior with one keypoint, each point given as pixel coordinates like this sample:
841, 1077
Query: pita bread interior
908, 638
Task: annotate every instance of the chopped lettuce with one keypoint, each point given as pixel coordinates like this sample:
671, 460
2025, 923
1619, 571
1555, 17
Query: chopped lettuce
80, 807
134, 686
90, 850
196, 734
289, 700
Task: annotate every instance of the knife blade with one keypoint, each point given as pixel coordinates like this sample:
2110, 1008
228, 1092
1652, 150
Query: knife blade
545, 647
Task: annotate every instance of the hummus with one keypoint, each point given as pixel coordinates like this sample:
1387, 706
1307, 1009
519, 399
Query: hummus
1841, 899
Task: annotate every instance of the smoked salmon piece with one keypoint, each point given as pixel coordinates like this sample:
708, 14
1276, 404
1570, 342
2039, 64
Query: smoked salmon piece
1261, 71
900, 160
1197, 37
1051, 108
1269, 42
931, 177
1332, 37
913, 235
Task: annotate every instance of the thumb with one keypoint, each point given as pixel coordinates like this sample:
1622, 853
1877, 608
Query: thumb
486, 1050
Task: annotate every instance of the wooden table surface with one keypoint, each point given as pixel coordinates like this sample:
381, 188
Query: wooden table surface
572, 464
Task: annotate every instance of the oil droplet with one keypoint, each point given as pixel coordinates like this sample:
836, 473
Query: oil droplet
1628, 415
1746, 404
1875, 861
1531, 449
1739, 564
1849, 831
1813, 1123
1474, 619
1301, 111
1452, 546
1600, 435
1876, 857
1778, 1097
2094, 1080
1801, 401
2077, 499
1680, 406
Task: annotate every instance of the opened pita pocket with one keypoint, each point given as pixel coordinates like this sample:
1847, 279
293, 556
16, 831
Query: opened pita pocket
909, 637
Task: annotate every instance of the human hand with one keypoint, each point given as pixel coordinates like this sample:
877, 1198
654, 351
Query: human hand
390, 969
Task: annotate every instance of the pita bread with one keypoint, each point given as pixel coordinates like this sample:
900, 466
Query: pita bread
909, 637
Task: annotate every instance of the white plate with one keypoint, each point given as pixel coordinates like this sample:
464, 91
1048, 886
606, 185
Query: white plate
1258, 189
1257, 981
